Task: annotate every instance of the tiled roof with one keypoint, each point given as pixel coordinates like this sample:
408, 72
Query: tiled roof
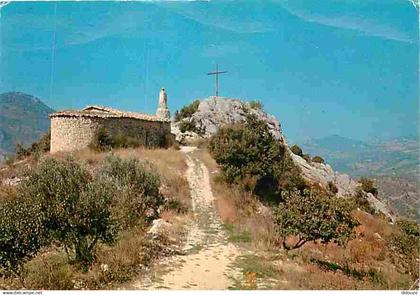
105, 112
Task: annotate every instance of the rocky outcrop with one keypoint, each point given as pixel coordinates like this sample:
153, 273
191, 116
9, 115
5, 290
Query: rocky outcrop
380, 207
214, 112
323, 173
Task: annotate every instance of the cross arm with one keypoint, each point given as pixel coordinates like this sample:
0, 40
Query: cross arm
215, 73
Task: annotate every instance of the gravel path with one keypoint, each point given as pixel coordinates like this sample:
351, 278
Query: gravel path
209, 256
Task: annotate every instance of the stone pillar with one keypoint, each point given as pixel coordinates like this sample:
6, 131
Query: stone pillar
162, 110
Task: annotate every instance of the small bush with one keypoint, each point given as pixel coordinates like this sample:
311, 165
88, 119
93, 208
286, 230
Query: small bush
368, 186
296, 150
332, 187
190, 125
307, 158
37, 148
49, 271
22, 233
138, 199
21, 151
318, 159
10, 159
187, 111
408, 239
122, 140
102, 141
256, 105
288, 175
105, 141
170, 142
405, 241
314, 215
362, 203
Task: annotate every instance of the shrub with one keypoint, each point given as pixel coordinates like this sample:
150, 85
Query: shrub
307, 158
246, 151
408, 237
256, 105
102, 141
21, 152
10, 159
49, 271
332, 187
22, 233
288, 175
137, 190
77, 207
296, 150
405, 240
170, 142
368, 186
105, 141
318, 159
125, 141
362, 203
314, 215
190, 125
37, 148
250, 156
187, 111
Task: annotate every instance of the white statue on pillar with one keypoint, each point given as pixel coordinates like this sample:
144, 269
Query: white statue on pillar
162, 110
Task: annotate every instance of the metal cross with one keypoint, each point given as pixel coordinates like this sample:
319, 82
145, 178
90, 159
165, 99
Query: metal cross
217, 73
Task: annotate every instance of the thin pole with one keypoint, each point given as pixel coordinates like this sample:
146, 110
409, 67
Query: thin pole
53, 44
217, 80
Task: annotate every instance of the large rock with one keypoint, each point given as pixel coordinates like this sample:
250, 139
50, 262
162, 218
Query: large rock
380, 207
215, 112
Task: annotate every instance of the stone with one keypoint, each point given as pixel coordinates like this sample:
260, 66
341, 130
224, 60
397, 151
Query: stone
104, 267
380, 207
323, 173
215, 112
162, 110
13, 181
159, 226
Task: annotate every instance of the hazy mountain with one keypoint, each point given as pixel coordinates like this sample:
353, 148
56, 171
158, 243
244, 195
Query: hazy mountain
23, 119
393, 164
394, 157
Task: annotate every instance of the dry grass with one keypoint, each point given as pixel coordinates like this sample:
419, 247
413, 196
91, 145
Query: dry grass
239, 209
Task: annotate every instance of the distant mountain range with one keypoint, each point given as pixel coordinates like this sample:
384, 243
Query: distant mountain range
23, 119
395, 157
392, 164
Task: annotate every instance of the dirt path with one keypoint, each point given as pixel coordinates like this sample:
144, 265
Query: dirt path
209, 256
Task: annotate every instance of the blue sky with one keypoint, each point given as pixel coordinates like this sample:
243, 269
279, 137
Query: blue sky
347, 67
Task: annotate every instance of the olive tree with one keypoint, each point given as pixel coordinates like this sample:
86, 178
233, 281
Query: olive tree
313, 215
76, 207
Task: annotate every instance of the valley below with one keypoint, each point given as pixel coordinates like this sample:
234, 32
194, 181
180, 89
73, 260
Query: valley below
393, 165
